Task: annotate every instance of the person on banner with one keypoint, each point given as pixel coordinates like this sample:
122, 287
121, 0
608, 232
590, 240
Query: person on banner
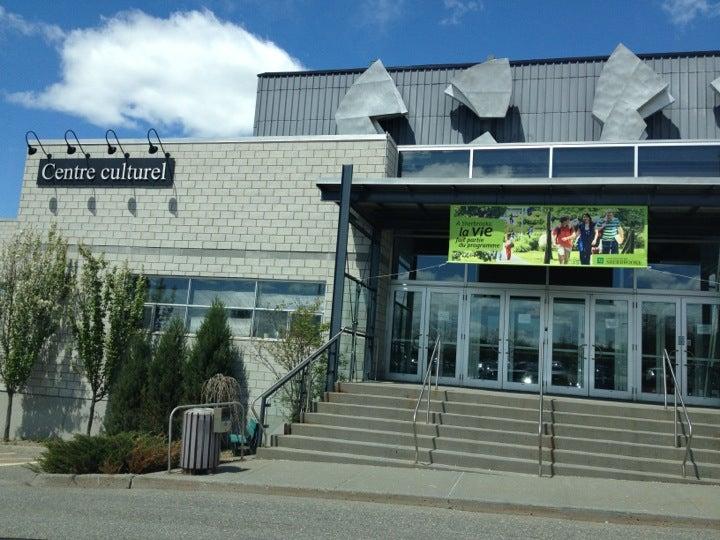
563, 237
610, 234
585, 233
508, 244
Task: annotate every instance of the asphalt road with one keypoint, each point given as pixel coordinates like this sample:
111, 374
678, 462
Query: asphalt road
30, 512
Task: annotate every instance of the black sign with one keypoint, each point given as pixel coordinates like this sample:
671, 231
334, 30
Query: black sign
140, 172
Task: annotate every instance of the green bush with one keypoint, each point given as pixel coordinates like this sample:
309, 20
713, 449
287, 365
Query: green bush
164, 383
107, 454
213, 352
126, 404
85, 454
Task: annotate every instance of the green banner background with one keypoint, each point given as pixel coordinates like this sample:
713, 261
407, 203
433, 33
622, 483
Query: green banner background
528, 235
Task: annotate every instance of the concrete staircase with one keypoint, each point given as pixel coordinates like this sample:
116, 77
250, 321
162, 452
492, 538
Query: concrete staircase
479, 430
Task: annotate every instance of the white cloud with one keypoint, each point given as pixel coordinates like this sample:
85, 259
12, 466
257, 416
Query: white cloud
190, 71
682, 12
382, 12
457, 9
13, 21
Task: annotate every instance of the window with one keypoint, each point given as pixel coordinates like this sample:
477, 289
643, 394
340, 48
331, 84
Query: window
583, 162
435, 164
516, 162
254, 308
682, 160
424, 259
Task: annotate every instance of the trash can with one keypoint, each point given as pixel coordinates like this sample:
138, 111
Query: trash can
200, 446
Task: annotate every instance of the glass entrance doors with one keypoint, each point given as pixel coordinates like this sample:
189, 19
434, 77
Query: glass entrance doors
419, 315
588, 345
501, 339
605, 345
700, 352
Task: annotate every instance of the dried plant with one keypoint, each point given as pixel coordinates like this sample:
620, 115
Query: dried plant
222, 388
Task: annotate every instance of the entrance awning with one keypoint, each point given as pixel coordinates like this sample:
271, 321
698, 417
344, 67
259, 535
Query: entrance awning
423, 203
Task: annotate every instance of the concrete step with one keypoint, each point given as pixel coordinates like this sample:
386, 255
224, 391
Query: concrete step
630, 463
644, 458
389, 413
506, 417
442, 457
515, 413
651, 411
394, 438
564, 469
621, 435
293, 454
432, 430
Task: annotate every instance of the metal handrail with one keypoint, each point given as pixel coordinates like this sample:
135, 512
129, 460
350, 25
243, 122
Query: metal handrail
263, 398
541, 407
243, 424
677, 393
427, 380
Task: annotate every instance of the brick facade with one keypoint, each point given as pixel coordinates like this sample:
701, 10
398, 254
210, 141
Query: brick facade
247, 208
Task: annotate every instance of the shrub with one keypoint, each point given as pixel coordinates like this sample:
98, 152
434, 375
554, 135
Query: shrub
85, 454
304, 335
163, 387
213, 352
149, 453
126, 404
107, 454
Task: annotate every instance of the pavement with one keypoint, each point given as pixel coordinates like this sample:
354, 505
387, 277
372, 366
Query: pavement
585, 499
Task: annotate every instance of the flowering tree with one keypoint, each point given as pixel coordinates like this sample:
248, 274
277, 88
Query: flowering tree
35, 284
108, 308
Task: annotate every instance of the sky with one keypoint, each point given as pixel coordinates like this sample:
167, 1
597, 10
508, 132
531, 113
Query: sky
188, 68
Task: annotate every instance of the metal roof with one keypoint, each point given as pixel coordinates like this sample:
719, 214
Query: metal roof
551, 102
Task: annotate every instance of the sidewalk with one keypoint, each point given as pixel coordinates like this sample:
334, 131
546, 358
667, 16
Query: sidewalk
588, 499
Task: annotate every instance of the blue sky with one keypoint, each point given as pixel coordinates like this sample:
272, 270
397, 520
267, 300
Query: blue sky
188, 67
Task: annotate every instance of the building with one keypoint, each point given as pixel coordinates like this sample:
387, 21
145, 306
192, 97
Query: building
255, 221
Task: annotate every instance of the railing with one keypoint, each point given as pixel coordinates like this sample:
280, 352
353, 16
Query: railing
303, 368
541, 406
434, 357
242, 422
677, 393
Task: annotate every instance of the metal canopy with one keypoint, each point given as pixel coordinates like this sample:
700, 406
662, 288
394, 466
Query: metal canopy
423, 203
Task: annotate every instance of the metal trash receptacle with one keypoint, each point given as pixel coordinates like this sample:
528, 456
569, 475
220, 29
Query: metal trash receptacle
200, 447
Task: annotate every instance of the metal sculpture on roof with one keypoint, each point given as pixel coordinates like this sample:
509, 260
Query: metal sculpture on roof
484, 88
716, 85
627, 89
485, 138
373, 96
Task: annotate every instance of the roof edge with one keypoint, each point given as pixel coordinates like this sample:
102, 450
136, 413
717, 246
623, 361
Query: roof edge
465, 65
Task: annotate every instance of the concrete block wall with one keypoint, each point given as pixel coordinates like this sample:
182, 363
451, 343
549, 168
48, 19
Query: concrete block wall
243, 209
7, 229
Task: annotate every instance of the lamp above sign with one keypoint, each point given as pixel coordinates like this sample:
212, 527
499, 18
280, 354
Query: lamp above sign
132, 172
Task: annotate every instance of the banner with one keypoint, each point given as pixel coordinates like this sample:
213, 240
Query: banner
599, 236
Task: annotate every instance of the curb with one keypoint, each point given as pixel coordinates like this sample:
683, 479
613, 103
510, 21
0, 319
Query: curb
477, 506
87, 481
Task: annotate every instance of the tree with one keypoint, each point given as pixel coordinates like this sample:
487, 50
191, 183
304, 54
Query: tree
303, 336
35, 283
126, 404
163, 385
108, 306
213, 352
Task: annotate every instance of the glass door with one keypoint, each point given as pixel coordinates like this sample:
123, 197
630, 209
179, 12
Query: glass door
523, 341
485, 328
657, 326
407, 340
610, 346
701, 352
443, 314
566, 370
